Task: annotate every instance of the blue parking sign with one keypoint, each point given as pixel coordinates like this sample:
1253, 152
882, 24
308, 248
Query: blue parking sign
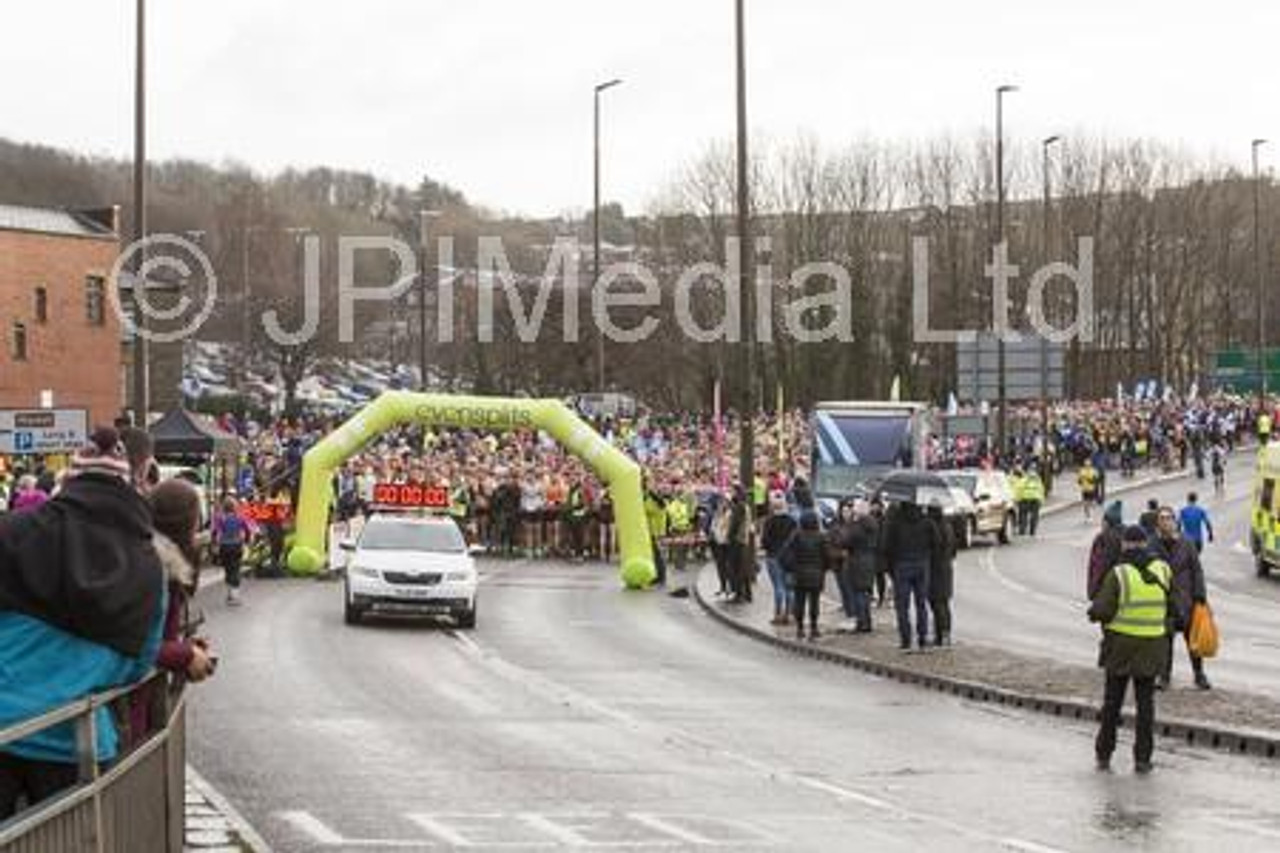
23, 441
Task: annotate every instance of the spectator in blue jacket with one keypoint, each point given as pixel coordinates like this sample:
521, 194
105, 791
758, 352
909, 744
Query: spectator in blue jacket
82, 606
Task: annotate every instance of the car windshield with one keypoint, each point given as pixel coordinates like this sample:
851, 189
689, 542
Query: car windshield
406, 536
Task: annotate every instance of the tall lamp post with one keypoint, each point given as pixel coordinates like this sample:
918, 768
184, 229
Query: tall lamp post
141, 395
423, 217
746, 277
1045, 145
1002, 391
1257, 268
595, 225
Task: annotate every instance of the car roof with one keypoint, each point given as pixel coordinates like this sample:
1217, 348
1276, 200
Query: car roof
410, 518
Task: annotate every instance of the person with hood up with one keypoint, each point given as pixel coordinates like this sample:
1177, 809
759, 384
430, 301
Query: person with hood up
1104, 553
806, 562
82, 607
1132, 605
911, 545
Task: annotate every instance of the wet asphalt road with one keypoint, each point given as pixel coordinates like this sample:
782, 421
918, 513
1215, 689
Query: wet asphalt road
578, 716
1029, 597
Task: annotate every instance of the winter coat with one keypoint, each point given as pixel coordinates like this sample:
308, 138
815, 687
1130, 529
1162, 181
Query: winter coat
1104, 554
1188, 577
805, 560
1122, 654
778, 529
942, 567
860, 540
911, 540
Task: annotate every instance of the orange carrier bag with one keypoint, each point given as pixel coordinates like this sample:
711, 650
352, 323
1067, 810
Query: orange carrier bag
1202, 639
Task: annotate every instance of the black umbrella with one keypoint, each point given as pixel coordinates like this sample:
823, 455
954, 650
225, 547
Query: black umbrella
913, 487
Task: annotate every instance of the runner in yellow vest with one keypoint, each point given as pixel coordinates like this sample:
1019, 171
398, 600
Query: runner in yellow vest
1132, 605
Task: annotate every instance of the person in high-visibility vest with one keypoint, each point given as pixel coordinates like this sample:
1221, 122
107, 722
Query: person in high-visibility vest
1133, 607
656, 513
679, 527
1016, 478
1264, 428
1030, 496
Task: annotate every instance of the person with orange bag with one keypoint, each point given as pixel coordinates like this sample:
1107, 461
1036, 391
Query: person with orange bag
1187, 589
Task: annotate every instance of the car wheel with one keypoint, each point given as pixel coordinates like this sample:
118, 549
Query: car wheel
466, 619
1263, 567
350, 613
1003, 535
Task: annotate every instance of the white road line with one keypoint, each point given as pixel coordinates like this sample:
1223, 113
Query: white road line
312, 826
665, 733
664, 826
248, 835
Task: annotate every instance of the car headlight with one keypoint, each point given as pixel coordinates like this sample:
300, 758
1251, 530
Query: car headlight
365, 572
459, 576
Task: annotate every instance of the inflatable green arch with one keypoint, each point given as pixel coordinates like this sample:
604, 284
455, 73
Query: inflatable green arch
394, 408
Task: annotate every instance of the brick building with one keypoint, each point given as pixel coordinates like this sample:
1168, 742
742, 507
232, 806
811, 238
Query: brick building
58, 331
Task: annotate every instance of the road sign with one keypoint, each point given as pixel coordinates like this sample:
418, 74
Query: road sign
1034, 369
45, 431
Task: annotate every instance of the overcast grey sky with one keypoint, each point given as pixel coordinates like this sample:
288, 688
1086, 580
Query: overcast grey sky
494, 96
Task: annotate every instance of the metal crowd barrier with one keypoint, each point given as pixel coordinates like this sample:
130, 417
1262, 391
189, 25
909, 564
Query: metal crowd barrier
135, 805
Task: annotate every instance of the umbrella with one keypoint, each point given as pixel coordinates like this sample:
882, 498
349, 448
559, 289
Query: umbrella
913, 487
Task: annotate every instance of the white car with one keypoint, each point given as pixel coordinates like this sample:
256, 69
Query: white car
410, 564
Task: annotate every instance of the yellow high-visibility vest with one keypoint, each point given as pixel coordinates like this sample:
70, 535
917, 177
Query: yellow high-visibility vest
1144, 607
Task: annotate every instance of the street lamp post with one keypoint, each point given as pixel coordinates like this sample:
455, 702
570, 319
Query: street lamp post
141, 395
746, 277
1257, 268
595, 226
1002, 391
423, 216
1045, 144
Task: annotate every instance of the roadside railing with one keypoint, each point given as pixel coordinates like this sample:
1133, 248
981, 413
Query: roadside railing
136, 805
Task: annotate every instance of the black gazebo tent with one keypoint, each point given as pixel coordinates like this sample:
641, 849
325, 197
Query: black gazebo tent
182, 435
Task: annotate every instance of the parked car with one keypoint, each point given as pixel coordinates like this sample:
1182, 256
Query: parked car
994, 509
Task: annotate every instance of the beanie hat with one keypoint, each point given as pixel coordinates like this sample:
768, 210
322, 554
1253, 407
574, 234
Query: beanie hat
1114, 515
104, 454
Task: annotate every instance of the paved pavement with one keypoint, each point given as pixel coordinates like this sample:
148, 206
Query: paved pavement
213, 825
580, 716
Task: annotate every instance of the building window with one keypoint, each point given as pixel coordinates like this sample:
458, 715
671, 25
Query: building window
19, 342
42, 305
95, 299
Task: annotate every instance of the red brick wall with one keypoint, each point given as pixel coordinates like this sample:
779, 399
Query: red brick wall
79, 361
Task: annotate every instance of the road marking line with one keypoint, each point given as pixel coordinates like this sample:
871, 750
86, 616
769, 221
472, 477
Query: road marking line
560, 693
311, 825
658, 824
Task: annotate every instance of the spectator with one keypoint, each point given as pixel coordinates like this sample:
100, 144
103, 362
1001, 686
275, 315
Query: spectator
805, 561
28, 495
860, 540
779, 527
1104, 553
911, 545
1187, 589
82, 607
942, 577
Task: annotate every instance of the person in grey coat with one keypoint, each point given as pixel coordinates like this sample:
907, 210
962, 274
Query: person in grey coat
860, 541
1188, 588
